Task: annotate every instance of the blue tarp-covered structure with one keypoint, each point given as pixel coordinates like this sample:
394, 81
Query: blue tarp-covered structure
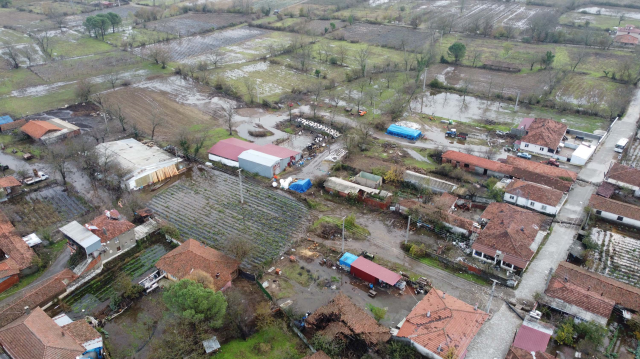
404, 132
347, 259
5, 120
300, 186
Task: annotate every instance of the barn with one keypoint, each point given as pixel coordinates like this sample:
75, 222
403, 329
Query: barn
373, 273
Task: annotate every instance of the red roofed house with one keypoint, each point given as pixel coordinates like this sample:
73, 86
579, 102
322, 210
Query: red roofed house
15, 254
624, 176
616, 211
439, 323
192, 255
543, 136
517, 353
373, 273
533, 335
479, 165
626, 39
8, 186
36, 335
541, 168
511, 236
50, 131
534, 196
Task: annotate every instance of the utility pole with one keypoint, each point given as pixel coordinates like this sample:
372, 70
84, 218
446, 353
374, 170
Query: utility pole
240, 177
407, 236
343, 218
493, 288
517, 99
424, 80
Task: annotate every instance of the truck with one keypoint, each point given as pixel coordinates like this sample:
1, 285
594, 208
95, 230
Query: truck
455, 134
37, 177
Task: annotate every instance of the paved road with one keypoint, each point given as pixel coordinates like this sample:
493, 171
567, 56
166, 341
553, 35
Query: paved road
495, 336
624, 128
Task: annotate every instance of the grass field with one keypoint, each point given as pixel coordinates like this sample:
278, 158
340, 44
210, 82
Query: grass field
82, 47
277, 343
604, 22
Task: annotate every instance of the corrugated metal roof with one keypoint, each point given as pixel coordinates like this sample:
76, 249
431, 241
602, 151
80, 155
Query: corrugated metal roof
80, 234
532, 338
231, 148
5, 119
278, 151
346, 186
259, 157
376, 270
211, 344
347, 259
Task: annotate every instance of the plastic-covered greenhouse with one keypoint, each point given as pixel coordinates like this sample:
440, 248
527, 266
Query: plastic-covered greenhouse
404, 132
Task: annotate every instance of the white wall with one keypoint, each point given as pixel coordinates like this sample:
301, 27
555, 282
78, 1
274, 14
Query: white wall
614, 217
224, 161
622, 184
530, 147
524, 202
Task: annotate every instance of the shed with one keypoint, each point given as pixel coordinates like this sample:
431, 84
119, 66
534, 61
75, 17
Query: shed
227, 151
404, 132
582, 154
32, 240
82, 237
5, 119
300, 186
211, 345
368, 179
533, 335
260, 163
347, 259
372, 272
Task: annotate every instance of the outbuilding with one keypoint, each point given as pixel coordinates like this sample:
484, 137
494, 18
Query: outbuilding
286, 156
373, 273
81, 237
346, 260
260, 163
404, 132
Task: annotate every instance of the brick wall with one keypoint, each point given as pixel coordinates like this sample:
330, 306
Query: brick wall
8, 283
12, 125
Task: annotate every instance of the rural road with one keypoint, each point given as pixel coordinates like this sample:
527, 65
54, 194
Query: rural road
600, 162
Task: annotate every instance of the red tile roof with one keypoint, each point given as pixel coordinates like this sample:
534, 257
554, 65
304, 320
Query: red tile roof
517, 353
193, 255
9, 181
534, 192
37, 295
113, 227
37, 129
231, 148
442, 322
36, 335
545, 132
376, 270
341, 317
533, 336
8, 267
81, 331
616, 207
13, 245
539, 178
540, 168
624, 174
606, 190
626, 39
622, 294
511, 230
476, 161
588, 300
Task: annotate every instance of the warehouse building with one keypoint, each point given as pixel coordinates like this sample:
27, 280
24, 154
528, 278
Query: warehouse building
227, 152
404, 132
145, 164
373, 273
260, 163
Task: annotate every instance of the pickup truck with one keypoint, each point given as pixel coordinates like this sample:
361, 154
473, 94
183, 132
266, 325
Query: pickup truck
32, 180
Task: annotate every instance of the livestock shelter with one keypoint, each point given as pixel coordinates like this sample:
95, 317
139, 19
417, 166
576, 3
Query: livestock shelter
404, 132
145, 164
373, 273
260, 163
347, 259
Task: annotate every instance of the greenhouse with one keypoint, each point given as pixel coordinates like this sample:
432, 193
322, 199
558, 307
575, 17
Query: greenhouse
404, 132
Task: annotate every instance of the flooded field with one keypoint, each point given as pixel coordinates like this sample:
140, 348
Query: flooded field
189, 24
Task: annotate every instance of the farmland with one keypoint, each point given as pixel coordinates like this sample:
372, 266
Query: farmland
190, 24
207, 208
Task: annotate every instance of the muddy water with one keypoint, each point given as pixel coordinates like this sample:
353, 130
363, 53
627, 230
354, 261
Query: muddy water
249, 119
467, 109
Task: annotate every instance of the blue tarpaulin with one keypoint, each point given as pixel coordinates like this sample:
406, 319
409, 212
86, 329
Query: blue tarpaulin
5, 119
300, 186
404, 132
347, 259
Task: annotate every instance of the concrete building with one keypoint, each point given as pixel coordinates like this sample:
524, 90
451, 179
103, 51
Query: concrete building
287, 157
534, 196
479, 165
368, 180
543, 136
625, 177
615, 210
441, 322
50, 131
431, 183
144, 164
260, 163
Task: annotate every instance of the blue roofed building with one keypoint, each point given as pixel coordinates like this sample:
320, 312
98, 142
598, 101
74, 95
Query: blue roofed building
404, 132
5, 119
346, 260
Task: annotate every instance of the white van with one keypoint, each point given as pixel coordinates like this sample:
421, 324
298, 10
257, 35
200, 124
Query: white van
621, 145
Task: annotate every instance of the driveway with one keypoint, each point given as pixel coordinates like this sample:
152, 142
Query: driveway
623, 128
495, 336
573, 209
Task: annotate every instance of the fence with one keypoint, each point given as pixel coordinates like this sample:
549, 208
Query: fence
264, 290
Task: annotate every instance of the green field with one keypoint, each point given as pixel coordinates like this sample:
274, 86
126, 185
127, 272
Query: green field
280, 343
603, 22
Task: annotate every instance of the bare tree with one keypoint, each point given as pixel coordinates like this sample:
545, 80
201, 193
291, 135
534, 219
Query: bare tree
29, 55
163, 57
617, 102
43, 40
490, 153
252, 86
59, 20
325, 50
116, 113
239, 248
157, 120
341, 51
487, 26
476, 56
113, 77
364, 130
388, 76
303, 56
509, 32
363, 56
83, 91
227, 113
316, 91
214, 58
578, 56
11, 56
58, 156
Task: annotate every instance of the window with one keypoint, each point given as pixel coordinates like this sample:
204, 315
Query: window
466, 165
512, 197
598, 212
477, 254
526, 145
117, 240
119, 249
550, 150
544, 208
542, 149
532, 203
620, 218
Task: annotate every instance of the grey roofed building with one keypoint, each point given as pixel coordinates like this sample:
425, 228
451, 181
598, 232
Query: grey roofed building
81, 236
432, 183
145, 164
260, 163
211, 345
340, 185
368, 179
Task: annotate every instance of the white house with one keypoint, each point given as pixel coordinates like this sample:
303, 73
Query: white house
543, 136
534, 196
615, 210
624, 176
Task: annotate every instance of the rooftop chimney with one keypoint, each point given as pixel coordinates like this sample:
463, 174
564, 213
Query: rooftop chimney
522, 229
27, 310
475, 307
62, 332
444, 295
588, 288
566, 279
217, 275
429, 314
104, 230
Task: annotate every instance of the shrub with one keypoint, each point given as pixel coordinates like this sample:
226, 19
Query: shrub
565, 333
333, 60
491, 182
435, 83
418, 251
378, 313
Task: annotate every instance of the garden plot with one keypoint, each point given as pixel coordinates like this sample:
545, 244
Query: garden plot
10, 37
183, 91
618, 256
87, 66
207, 208
75, 21
633, 155
22, 20
22, 51
254, 48
190, 47
502, 14
67, 207
190, 24
389, 36
588, 93
86, 298
319, 26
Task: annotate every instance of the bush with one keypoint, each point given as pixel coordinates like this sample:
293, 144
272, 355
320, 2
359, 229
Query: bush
592, 332
491, 182
565, 332
333, 60
436, 84
417, 251
378, 313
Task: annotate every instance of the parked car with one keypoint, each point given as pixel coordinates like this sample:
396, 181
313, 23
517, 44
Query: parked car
500, 133
3, 167
508, 149
524, 155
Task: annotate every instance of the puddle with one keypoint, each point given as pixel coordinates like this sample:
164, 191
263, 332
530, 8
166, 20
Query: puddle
594, 10
268, 121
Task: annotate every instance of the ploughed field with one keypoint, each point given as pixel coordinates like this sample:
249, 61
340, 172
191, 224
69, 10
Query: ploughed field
207, 207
